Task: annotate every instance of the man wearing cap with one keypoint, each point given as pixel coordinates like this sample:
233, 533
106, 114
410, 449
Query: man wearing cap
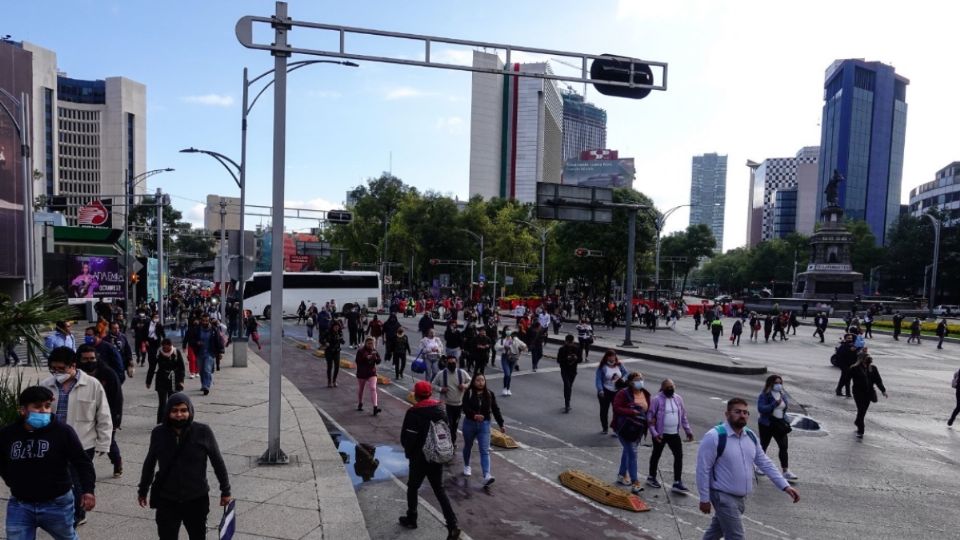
416, 425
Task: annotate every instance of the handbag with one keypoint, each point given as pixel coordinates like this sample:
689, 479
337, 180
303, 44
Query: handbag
418, 365
780, 426
228, 523
631, 428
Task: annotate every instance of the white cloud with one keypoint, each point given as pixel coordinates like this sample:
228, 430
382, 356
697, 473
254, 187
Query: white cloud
450, 124
312, 204
194, 215
405, 92
210, 100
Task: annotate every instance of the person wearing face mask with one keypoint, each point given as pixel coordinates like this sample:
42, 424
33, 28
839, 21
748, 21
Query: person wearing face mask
80, 402
61, 337
479, 405
609, 378
106, 352
37, 454
772, 405
155, 333
452, 383
168, 368
431, 347
630, 406
725, 461
367, 360
140, 326
666, 417
88, 363
118, 340
175, 472
568, 356
510, 348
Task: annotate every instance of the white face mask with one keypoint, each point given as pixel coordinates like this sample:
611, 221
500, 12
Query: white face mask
62, 377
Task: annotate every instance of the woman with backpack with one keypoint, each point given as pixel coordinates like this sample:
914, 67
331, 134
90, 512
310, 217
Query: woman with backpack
167, 366
479, 405
630, 406
772, 405
510, 347
568, 356
367, 360
865, 376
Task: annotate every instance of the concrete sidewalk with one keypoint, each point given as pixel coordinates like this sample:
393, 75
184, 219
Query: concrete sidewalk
311, 498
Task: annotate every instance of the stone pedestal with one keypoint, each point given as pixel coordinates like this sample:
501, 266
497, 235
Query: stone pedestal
830, 275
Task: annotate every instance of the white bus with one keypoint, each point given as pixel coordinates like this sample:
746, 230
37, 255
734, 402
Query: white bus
361, 288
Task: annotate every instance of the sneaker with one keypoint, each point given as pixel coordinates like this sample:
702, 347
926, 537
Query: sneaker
360, 407
487, 480
567, 410
636, 489
680, 488
652, 482
206, 391
505, 392
623, 481
118, 470
758, 472
467, 471
407, 522
453, 533
790, 476
604, 432
509, 392
82, 521
859, 435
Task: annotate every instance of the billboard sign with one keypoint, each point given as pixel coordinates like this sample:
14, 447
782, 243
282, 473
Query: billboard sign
609, 173
16, 77
96, 214
229, 220
153, 279
92, 278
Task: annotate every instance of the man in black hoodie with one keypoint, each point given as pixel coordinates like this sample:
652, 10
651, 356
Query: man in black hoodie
88, 362
181, 447
416, 426
34, 457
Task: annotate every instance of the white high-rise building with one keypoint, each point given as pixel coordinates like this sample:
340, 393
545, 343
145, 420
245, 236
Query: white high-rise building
516, 131
89, 136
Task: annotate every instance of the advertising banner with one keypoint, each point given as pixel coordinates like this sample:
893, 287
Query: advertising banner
153, 279
608, 173
93, 277
16, 76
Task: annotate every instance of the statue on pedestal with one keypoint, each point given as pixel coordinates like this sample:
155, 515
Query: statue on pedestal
833, 188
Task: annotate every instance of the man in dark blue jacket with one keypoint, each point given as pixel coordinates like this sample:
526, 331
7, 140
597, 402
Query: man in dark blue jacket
106, 351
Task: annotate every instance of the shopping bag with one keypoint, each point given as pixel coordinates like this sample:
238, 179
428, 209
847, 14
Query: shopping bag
228, 523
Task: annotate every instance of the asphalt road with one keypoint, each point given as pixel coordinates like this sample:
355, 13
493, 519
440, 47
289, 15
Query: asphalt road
900, 481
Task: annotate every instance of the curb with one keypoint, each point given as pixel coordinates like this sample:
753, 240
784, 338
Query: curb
694, 364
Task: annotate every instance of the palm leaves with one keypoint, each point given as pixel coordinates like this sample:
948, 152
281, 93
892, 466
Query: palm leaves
27, 319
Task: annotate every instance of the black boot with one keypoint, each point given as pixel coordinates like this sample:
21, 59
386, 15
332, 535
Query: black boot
408, 522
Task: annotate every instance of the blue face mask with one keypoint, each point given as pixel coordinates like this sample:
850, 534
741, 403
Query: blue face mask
89, 340
778, 388
638, 385
38, 420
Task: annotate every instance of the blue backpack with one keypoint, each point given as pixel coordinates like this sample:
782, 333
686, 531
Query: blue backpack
722, 439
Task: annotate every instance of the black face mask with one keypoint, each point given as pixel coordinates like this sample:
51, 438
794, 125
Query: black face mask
669, 392
180, 423
451, 367
87, 367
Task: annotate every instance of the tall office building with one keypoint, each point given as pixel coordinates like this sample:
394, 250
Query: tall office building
942, 193
782, 189
516, 131
88, 136
584, 125
862, 137
708, 193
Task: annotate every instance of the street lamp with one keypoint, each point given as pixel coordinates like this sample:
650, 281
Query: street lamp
660, 219
131, 186
479, 237
543, 249
936, 258
273, 455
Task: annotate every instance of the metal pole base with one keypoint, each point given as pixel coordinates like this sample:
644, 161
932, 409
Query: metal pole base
271, 458
240, 352
629, 344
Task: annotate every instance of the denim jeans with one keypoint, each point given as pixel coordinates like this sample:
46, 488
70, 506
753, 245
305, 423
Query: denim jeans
481, 432
507, 370
432, 368
206, 370
54, 516
628, 459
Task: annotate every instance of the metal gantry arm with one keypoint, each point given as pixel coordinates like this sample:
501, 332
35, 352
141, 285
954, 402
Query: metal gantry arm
291, 67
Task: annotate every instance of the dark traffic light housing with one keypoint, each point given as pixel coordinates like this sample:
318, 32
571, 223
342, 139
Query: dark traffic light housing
616, 68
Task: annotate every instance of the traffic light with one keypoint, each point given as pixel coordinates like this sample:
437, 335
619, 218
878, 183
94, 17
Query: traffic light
580, 252
340, 217
434, 262
616, 68
134, 278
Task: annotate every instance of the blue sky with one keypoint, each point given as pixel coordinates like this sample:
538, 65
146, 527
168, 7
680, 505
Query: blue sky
746, 79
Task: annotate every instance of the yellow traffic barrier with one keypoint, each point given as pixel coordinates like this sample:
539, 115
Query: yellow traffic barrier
346, 364
411, 399
319, 353
302, 345
602, 492
501, 439
383, 379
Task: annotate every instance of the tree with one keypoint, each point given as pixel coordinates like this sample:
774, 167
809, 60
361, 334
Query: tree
864, 253
143, 221
26, 320
694, 243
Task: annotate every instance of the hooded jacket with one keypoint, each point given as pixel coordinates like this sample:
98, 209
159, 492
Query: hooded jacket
182, 460
33, 463
416, 425
168, 370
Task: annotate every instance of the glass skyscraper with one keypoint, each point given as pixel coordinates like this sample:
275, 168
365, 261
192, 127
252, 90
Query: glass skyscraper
584, 126
708, 193
862, 137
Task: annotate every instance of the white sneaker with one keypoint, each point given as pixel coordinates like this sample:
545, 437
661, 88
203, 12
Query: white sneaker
505, 392
790, 476
509, 392
487, 480
466, 470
